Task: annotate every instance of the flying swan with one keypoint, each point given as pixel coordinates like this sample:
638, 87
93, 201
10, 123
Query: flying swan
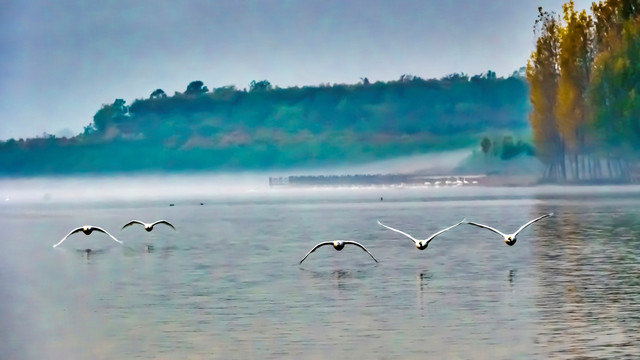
148, 226
422, 244
510, 239
87, 229
338, 245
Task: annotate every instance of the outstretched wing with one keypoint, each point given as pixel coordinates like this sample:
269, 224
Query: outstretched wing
105, 231
361, 247
531, 222
163, 222
133, 222
69, 234
314, 249
487, 227
445, 229
398, 231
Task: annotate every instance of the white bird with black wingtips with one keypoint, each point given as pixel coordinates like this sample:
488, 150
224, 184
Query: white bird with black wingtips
510, 239
338, 245
422, 244
148, 226
87, 229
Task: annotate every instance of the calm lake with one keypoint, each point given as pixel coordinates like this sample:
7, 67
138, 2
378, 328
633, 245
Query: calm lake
226, 283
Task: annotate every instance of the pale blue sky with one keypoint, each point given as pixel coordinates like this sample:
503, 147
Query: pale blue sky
60, 60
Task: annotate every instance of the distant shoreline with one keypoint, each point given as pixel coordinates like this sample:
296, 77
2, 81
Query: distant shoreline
405, 180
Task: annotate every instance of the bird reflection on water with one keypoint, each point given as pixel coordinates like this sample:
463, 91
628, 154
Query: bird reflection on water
512, 276
344, 279
152, 249
87, 253
423, 279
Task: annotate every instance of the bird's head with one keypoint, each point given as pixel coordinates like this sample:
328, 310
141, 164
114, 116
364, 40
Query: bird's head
147, 227
421, 245
338, 245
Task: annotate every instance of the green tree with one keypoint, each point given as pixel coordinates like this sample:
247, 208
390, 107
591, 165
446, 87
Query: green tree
158, 93
196, 88
109, 115
262, 85
485, 145
615, 92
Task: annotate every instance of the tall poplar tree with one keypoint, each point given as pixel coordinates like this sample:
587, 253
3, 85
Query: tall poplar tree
543, 73
575, 60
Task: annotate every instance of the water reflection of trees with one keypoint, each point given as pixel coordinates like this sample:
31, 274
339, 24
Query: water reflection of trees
588, 297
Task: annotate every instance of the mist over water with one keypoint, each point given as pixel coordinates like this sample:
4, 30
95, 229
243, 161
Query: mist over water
127, 187
227, 284
443, 162
199, 185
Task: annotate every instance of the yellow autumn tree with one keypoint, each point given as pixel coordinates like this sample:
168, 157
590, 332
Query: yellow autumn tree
585, 90
542, 75
607, 25
572, 107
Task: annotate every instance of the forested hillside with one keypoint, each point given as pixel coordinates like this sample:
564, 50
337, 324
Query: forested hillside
263, 127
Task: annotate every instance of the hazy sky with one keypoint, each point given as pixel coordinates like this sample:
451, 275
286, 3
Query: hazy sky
60, 60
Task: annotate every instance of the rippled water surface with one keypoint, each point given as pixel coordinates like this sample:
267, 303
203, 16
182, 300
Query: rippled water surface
227, 284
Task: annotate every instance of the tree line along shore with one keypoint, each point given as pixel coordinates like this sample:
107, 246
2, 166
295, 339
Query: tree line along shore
576, 101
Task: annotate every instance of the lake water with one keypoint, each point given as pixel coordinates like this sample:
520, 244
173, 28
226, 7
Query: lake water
227, 285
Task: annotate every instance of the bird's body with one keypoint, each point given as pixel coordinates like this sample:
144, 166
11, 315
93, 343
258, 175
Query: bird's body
338, 245
510, 239
421, 244
148, 226
87, 230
